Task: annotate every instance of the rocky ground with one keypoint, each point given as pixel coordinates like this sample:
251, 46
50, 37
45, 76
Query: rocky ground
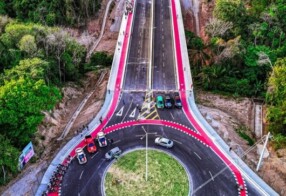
225, 114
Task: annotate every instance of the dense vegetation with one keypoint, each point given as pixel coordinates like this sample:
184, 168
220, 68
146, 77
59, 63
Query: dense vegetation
245, 55
51, 12
35, 62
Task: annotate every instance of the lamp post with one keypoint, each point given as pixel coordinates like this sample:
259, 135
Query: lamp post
146, 135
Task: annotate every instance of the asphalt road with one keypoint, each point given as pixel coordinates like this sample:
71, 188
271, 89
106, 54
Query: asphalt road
200, 161
164, 72
138, 59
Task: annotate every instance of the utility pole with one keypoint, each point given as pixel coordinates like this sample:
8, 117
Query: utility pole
146, 135
262, 153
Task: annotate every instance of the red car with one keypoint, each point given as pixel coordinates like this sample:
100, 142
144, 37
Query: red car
90, 145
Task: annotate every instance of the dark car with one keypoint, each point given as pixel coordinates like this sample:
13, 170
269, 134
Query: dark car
178, 102
168, 101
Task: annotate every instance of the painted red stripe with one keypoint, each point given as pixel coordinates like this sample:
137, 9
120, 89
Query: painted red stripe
185, 103
117, 83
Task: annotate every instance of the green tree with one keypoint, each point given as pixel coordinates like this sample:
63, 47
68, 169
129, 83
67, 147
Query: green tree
276, 93
34, 68
21, 103
28, 45
8, 160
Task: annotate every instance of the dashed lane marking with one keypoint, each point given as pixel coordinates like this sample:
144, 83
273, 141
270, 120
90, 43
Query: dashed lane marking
172, 116
94, 155
211, 175
198, 156
81, 174
177, 141
116, 141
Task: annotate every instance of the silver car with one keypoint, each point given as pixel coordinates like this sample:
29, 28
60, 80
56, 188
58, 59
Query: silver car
114, 152
164, 142
80, 156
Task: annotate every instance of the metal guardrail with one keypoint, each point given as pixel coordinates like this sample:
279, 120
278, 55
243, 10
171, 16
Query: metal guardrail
64, 152
264, 188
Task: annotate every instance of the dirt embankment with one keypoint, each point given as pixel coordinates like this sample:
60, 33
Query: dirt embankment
46, 143
227, 115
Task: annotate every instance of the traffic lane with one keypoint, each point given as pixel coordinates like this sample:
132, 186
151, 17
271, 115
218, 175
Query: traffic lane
128, 138
163, 60
202, 163
127, 108
138, 59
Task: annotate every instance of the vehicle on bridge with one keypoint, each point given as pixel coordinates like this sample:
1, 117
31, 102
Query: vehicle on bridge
80, 155
101, 139
113, 153
160, 102
178, 102
164, 142
90, 145
169, 101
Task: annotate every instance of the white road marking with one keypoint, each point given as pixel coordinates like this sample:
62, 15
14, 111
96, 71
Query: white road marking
211, 175
120, 111
116, 141
163, 64
172, 116
81, 174
93, 155
177, 141
163, 75
132, 115
127, 110
198, 156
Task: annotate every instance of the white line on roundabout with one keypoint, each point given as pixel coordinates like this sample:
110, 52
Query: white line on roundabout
211, 175
177, 141
81, 174
198, 156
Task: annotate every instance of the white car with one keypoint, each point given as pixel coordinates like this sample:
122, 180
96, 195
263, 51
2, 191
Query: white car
101, 139
164, 142
113, 153
80, 155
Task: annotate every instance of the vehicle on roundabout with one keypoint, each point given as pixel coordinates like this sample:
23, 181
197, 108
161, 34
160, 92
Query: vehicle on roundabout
168, 101
113, 153
160, 101
164, 142
102, 141
178, 102
90, 145
80, 155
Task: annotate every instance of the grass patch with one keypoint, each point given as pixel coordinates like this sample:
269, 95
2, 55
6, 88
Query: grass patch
165, 176
242, 133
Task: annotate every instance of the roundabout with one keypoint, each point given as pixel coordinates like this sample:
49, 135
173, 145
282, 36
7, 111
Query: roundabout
127, 175
199, 160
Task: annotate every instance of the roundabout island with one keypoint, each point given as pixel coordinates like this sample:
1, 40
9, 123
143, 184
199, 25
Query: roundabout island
127, 175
